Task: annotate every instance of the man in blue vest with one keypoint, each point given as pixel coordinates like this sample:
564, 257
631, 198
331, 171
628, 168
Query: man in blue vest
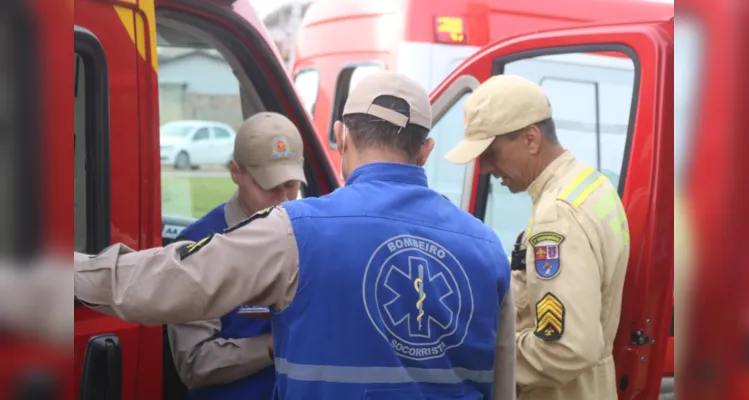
381, 290
227, 357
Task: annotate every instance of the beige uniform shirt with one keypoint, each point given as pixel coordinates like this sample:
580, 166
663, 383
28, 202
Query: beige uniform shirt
569, 298
254, 263
201, 356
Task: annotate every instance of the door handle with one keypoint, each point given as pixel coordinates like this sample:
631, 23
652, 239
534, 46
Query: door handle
102, 368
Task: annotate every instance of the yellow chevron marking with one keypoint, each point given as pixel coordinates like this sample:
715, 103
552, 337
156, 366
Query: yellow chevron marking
550, 306
135, 28
549, 319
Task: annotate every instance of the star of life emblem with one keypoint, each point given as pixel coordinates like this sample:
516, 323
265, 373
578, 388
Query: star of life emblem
418, 297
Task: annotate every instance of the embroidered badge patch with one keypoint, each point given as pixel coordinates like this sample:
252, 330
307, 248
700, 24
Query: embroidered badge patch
549, 318
192, 248
280, 148
546, 253
260, 214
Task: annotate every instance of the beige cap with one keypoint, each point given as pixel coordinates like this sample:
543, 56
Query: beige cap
501, 105
270, 147
388, 83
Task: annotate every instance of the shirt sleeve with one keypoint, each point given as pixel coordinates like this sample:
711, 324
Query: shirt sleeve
504, 364
255, 262
567, 337
203, 358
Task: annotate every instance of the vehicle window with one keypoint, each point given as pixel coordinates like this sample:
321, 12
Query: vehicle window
201, 134
307, 82
348, 78
196, 86
221, 133
591, 99
91, 145
443, 176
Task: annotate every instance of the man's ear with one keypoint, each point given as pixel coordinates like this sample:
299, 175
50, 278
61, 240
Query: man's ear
532, 137
234, 171
338, 132
425, 151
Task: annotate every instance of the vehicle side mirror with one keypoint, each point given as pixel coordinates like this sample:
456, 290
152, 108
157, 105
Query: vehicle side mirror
101, 378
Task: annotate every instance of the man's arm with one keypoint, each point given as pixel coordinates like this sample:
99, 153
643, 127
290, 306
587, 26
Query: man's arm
203, 358
504, 363
256, 263
567, 338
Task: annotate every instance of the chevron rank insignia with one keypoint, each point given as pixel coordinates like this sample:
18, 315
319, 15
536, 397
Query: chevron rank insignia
549, 318
188, 250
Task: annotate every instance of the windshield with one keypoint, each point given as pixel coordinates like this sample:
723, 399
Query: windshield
175, 131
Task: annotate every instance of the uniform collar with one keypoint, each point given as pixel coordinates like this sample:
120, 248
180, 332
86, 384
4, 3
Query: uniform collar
233, 212
385, 171
546, 177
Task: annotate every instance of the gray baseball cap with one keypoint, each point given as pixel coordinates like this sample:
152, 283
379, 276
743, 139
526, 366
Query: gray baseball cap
388, 83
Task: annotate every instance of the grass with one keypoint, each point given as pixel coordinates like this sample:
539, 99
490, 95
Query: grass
194, 196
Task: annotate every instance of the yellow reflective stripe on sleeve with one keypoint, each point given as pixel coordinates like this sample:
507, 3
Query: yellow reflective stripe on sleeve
566, 192
585, 184
588, 190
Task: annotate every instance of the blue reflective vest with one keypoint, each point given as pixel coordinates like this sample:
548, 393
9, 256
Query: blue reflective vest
398, 297
258, 386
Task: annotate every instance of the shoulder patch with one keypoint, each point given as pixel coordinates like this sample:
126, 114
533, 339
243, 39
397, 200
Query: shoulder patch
260, 214
546, 253
549, 318
189, 249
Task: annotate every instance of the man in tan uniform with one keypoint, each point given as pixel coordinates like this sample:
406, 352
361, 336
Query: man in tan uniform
373, 290
228, 357
569, 298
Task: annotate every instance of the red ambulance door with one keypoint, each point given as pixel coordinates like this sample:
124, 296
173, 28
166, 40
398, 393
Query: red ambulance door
611, 89
113, 358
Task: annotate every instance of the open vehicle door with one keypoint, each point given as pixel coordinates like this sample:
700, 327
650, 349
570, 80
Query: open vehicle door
124, 93
611, 90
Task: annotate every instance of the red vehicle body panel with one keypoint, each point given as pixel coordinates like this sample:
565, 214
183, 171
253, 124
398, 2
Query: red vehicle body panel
714, 357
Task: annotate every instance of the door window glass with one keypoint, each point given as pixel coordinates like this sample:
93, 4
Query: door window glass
591, 97
443, 176
307, 84
202, 134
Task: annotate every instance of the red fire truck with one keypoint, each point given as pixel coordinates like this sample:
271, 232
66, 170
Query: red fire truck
132, 61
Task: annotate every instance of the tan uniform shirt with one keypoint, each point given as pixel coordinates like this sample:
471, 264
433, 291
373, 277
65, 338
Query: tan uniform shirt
201, 356
255, 263
569, 298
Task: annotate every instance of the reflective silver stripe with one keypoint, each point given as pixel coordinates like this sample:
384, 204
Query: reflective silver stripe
372, 375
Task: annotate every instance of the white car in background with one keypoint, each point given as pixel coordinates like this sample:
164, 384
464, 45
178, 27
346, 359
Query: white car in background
192, 143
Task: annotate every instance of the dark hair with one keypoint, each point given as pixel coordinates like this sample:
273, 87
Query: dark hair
372, 132
547, 128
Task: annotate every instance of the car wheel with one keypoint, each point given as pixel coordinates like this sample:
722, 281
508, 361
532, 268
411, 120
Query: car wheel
182, 161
